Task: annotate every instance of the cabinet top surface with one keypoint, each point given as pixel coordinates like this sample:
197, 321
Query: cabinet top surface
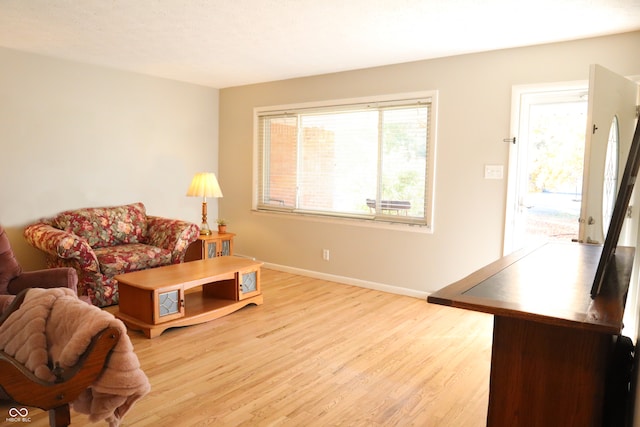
193, 273
550, 284
215, 235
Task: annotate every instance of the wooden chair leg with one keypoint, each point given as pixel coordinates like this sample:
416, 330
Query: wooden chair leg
60, 416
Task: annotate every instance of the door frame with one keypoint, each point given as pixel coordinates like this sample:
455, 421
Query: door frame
517, 150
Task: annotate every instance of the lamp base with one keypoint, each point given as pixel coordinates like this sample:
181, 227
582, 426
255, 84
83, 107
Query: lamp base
204, 228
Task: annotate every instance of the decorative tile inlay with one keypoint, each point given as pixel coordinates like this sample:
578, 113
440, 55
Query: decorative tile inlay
226, 247
249, 282
168, 302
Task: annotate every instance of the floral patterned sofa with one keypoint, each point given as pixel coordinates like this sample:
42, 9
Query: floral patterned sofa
103, 242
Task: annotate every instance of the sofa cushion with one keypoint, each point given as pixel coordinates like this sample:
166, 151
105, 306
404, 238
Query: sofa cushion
106, 226
131, 257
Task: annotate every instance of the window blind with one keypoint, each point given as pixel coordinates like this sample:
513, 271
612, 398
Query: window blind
366, 160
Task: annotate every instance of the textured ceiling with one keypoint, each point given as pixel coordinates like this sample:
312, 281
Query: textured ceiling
222, 43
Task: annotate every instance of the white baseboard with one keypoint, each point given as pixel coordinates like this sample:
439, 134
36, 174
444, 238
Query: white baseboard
349, 281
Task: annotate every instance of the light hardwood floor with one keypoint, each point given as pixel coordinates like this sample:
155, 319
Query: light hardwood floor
317, 353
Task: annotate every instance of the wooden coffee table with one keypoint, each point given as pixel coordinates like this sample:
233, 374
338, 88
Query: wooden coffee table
186, 294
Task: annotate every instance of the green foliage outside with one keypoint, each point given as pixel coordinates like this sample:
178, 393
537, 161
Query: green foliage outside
556, 149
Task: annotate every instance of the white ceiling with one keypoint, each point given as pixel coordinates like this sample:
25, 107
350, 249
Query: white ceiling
223, 43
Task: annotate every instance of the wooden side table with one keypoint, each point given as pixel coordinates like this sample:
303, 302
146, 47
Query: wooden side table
211, 246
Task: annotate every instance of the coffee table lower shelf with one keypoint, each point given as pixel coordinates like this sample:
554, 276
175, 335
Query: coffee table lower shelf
200, 310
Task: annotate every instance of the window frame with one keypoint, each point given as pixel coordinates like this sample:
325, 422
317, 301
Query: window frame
376, 220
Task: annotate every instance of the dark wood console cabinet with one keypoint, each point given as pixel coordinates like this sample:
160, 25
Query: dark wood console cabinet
552, 343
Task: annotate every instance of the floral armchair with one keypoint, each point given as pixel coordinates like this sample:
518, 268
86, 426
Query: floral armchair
103, 242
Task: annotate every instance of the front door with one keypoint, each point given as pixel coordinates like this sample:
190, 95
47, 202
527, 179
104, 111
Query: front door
610, 126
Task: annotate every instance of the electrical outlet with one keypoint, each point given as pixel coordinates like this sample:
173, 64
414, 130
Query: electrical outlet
325, 254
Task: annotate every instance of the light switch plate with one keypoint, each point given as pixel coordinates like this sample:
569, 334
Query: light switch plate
493, 171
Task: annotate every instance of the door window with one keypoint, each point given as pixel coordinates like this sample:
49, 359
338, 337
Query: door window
610, 181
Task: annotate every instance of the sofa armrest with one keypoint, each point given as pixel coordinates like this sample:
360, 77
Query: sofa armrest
61, 277
62, 244
172, 234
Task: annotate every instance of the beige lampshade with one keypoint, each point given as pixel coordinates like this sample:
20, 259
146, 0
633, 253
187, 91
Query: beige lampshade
204, 184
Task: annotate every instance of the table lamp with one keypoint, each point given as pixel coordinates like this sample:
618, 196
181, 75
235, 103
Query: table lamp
204, 184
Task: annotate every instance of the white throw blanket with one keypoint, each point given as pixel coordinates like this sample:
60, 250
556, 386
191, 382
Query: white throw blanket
54, 326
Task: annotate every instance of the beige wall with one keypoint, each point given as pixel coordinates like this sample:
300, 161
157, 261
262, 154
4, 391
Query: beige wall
473, 119
76, 135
